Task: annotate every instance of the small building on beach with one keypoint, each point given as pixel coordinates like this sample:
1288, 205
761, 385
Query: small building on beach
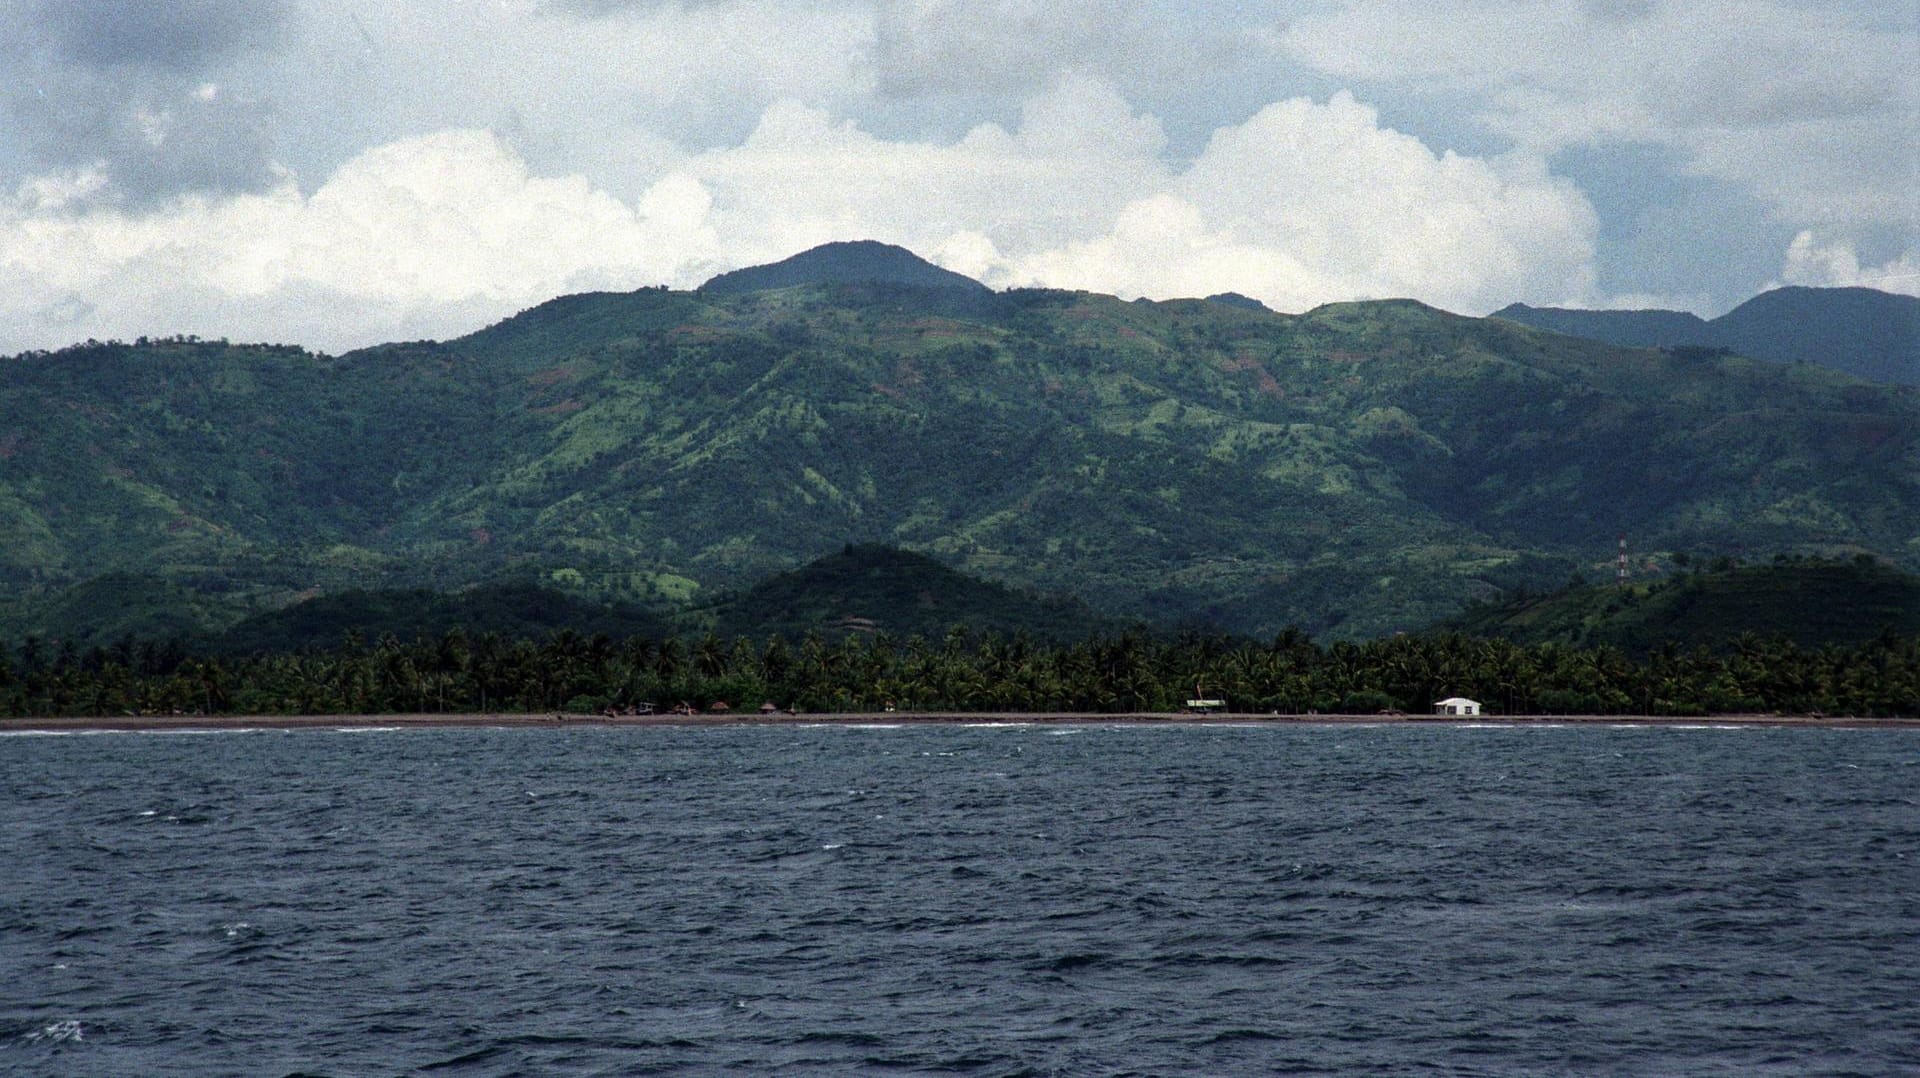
1457, 705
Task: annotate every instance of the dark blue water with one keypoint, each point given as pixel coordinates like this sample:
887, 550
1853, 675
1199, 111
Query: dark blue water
972, 900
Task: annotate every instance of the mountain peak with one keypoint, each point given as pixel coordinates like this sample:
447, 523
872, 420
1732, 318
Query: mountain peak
844, 262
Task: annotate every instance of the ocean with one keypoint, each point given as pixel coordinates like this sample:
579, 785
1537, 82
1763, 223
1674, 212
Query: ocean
962, 899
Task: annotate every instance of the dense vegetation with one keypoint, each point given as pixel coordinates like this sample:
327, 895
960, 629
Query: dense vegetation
961, 672
870, 588
1356, 470
1809, 602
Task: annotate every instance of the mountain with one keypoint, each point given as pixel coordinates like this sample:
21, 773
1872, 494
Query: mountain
1866, 333
851, 262
1358, 469
1812, 603
870, 588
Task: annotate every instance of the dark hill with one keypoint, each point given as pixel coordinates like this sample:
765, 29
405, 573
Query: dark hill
1235, 299
854, 262
1812, 603
1871, 334
1862, 331
119, 606
872, 588
510, 610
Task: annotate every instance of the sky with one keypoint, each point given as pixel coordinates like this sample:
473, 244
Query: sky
337, 173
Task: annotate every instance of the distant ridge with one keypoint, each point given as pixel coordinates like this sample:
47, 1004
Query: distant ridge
1860, 331
850, 262
1651, 328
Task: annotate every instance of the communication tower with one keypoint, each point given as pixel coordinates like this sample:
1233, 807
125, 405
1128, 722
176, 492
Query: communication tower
1620, 573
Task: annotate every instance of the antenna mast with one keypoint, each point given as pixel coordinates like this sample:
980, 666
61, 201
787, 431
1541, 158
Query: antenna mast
1620, 574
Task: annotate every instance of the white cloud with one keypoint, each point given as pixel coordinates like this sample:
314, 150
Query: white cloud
1303, 203
427, 235
1809, 106
1366, 210
803, 177
1834, 263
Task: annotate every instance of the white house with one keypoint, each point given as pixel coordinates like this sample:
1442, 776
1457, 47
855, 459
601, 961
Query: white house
1457, 705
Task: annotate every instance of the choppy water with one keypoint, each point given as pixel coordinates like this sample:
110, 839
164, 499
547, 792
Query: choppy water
974, 900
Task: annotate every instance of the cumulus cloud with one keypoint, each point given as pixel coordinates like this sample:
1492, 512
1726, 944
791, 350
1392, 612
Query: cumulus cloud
1307, 203
1303, 203
1834, 263
803, 177
428, 236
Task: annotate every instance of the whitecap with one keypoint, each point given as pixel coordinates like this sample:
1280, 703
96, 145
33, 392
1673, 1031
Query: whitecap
57, 1032
873, 726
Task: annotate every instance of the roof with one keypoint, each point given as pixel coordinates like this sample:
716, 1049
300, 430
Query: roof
1456, 700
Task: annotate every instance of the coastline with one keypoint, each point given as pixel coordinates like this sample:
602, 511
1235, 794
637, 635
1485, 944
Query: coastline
555, 720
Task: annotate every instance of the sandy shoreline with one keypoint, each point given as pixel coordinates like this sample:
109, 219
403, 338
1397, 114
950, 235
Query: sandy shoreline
558, 721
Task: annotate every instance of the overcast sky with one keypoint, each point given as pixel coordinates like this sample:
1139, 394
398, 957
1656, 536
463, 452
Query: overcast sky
340, 172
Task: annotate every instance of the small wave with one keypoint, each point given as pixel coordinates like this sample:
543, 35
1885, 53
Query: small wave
370, 729
835, 1036
1065, 733
1230, 1036
993, 725
465, 1059
874, 726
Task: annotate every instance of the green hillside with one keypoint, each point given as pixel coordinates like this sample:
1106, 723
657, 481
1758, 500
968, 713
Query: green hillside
1812, 603
1355, 470
870, 589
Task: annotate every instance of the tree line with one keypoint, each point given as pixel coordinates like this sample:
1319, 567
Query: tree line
962, 671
